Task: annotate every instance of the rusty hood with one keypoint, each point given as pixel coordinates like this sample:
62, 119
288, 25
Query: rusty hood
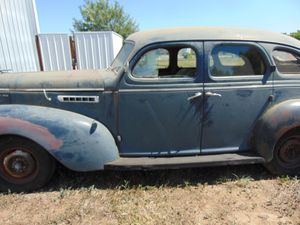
81, 79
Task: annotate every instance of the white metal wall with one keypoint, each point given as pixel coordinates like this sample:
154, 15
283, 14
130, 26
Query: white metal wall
18, 27
55, 52
96, 50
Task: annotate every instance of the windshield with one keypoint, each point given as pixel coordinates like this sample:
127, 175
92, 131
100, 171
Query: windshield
122, 56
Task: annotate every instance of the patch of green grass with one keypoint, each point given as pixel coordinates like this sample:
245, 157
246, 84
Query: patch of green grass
243, 181
285, 179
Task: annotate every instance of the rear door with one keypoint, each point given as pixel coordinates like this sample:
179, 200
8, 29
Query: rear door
238, 85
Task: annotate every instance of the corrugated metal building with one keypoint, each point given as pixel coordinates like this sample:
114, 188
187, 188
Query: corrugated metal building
18, 27
96, 50
20, 51
55, 52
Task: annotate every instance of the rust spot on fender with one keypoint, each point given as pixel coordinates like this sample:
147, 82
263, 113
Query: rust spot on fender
285, 114
25, 128
277, 115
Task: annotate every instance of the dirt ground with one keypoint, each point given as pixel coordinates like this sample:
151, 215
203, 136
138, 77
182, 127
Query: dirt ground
219, 195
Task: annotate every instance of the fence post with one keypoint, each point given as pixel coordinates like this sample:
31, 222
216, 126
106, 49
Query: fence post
38, 48
73, 53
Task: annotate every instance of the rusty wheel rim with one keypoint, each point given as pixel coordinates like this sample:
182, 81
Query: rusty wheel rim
18, 165
289, 152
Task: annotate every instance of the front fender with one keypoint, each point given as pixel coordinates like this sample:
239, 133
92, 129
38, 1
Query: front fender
78, 142
273, 124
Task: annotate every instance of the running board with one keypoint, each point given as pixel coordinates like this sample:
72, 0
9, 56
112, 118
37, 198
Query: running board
137, 163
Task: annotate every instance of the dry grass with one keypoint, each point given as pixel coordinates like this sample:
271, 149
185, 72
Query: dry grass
221, 195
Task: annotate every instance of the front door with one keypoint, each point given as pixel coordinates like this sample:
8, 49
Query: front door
160, 101
238, 86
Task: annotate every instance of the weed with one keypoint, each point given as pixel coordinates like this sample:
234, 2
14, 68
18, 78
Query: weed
125, 185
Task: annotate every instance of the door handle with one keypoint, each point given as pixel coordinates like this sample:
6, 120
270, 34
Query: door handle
212, 94
196, 95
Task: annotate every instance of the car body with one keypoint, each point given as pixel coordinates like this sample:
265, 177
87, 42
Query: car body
172, 98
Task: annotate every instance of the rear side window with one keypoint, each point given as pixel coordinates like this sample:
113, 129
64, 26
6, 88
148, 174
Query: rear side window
236, 60
287, 62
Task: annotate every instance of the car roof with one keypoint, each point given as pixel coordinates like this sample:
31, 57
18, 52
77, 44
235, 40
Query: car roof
210, 33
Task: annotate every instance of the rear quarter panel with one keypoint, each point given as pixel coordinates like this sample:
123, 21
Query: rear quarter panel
284, 113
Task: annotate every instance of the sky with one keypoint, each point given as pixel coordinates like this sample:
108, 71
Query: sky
275, 15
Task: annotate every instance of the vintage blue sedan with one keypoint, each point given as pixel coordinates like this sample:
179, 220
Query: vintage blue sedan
172, 98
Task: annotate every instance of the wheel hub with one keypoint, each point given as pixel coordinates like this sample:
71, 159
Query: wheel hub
19, 164
289, 153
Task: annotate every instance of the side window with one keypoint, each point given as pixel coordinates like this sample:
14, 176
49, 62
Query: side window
151, 62
287, 62
186, 58
186, 62
236, 60
168, 62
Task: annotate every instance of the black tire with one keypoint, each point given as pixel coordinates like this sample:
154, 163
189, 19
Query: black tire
286, 156
24, 165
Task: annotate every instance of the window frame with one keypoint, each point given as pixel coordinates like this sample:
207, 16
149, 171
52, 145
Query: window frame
132, 43
286, 49
182, 44
209, 47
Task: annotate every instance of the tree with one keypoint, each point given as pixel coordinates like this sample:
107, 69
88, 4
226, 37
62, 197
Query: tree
100, 15
296, 34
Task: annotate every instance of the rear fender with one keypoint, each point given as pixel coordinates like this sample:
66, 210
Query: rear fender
274, 123
78, 142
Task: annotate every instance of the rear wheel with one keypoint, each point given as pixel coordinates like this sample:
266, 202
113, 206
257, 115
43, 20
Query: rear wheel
24, 165
286, 158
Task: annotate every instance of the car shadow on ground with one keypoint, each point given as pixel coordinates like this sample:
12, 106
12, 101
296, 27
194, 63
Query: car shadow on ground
66, 179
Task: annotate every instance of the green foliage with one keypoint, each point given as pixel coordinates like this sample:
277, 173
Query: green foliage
100, 15
296, 34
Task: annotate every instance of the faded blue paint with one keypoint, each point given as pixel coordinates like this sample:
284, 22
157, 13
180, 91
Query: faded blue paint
84, 144
283, 112
102, 111
277, 121
232, 116
154, 118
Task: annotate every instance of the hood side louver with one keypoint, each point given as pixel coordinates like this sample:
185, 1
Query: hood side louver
78, 99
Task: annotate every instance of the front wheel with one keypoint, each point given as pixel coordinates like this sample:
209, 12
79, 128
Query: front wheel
24, 165
286, 158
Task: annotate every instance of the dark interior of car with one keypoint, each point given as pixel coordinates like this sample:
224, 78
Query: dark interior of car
289, 67
173, 70
250, 63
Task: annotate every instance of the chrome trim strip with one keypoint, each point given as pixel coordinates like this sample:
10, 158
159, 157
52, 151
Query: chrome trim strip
159, 89
287, 81
221, 150
237, 83
107, 92
286, 85
171, 153
46, 96
193, 89
48, 89
237, 87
